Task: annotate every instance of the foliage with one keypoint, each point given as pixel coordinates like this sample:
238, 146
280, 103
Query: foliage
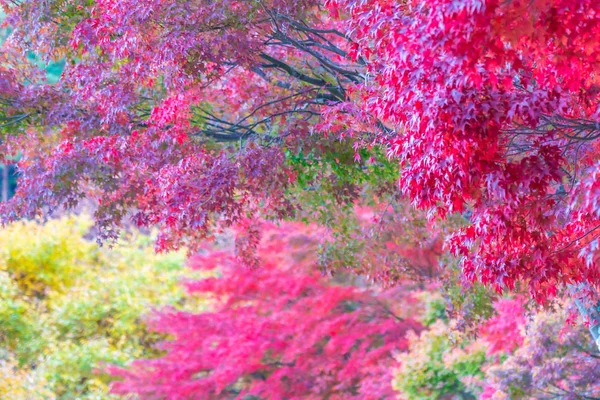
18, 383
142, 127
330, 175
196, 116
503, 130
442, 362
503, 331
277, 331
67, 306
46, 258
555, 361
491, 109
537, 355
436, 368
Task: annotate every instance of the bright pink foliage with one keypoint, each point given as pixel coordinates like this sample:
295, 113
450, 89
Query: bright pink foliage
277, 331
504, 331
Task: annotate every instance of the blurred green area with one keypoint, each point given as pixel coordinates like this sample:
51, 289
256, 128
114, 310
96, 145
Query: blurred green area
67, 306
441, 362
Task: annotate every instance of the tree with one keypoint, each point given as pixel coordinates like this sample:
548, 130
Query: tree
133, 127
555, 361
436, 368
491, 109
278, 331
544, 355
504, 129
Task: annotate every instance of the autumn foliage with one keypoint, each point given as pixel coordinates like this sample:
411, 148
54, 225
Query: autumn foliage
492, 105
488, 106
438, 145
278, 331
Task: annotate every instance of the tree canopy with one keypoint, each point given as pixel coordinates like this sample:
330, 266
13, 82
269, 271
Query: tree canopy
434, 142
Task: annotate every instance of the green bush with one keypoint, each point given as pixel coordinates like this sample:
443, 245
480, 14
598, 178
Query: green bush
437, 367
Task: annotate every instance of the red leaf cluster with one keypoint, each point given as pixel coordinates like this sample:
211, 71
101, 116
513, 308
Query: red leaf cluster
276, 331
490, 108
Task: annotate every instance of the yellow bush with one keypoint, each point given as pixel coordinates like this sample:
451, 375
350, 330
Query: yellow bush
68, 306
48, 257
